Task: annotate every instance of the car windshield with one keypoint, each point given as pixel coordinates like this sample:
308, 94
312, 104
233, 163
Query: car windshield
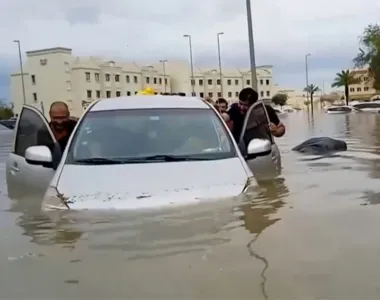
150, 135
340, 108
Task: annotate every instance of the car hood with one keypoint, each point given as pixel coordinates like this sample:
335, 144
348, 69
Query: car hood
149, 185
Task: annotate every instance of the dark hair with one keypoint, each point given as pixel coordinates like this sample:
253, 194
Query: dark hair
59, 103
221, 101
248, 95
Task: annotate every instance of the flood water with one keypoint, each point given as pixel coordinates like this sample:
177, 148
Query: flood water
314, 233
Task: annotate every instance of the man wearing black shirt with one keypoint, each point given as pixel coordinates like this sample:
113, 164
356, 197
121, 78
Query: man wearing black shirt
61, 125
237, 111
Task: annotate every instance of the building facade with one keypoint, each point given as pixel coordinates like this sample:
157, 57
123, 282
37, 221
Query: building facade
363, 90
56, 75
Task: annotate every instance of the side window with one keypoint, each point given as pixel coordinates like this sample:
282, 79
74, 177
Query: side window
31, 131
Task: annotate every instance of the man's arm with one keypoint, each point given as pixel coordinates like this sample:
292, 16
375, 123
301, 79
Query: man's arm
277, 128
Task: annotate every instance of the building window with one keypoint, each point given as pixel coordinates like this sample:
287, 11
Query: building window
192, 82
147, 80
229, 81
193, 94
128, 93
248, 82
127, 79
33, 79
68, 85
166, 81
210, 94
236, 94
229, 94
352, 89
359, 89
219, 94
43, 62
267, 81
135, 92
201, 94
135, 79
200, 82
117, 78
108, 77
365, 79
159, 80
261, 81
154, 80
35, 99
118, 93
236, 82
261, 94
268, 93
97, 77
108, 94
209, 82
366, 88
67, 67
218, 81
89, 94
98, 94
88, 76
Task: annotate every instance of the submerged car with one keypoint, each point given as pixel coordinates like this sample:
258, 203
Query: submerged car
341, 109
372, 107
134, 152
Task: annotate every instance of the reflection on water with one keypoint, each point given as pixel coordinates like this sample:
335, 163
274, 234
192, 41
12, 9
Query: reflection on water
299, 236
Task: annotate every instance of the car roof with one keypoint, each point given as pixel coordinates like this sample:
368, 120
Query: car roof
146, 102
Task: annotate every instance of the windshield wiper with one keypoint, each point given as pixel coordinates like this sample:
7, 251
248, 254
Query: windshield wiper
99, 161
170, 158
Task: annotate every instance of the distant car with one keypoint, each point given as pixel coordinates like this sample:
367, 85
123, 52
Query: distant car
132, 153
368, 106
340, 110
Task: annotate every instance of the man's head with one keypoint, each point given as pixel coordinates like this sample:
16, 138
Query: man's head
247, 97
222, 105
59, 115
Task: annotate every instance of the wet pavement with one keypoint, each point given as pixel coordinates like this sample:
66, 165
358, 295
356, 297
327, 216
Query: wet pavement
313, 233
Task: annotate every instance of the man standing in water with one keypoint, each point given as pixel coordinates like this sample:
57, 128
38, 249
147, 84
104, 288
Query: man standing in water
236, 114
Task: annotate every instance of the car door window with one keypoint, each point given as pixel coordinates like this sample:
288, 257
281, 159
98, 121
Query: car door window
32, 130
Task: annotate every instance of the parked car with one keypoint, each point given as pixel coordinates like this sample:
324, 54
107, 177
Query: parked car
373, 107
132, 153
340, 109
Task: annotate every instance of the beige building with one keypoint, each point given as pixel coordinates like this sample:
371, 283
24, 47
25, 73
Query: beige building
56, 75
363, 90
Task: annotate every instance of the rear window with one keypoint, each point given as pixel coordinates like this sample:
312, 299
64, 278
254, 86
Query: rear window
128, 134
340, 108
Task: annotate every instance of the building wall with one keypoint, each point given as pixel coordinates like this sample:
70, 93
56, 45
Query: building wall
56, 75
364, 89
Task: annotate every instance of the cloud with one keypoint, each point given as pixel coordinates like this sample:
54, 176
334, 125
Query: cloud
285, 30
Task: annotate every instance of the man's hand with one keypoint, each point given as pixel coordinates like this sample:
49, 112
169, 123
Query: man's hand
226, 117
277, 131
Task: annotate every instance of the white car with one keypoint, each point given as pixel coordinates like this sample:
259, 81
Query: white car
132, 153
340, 109
373, 107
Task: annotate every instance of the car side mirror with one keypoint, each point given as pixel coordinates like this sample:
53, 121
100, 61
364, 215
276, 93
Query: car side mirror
39, 155
259, 147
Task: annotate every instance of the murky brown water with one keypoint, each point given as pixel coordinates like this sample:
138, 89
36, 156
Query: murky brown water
312, 234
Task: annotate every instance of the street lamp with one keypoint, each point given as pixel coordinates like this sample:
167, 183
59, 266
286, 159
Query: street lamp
21, 68
220, 62
251, 46
163, 61
191, 63
307, 76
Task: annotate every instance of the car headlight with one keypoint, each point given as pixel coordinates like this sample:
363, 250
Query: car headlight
54, 200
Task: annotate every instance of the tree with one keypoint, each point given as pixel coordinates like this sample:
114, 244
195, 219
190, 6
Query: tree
344, 79
280, 99
311, 89
369, 53
5, 113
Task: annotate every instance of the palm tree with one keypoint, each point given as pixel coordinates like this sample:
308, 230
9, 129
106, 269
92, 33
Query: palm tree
369, 53
344, 79
311, 89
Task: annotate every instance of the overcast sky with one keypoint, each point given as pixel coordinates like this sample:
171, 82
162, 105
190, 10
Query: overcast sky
150, 30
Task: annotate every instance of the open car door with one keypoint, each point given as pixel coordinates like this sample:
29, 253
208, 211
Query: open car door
26, 181
256, 140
